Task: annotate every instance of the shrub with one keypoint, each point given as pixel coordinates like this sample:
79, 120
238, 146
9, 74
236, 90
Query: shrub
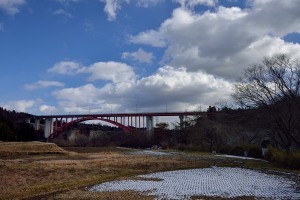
225, 149
237, 151
254, 151
281, 158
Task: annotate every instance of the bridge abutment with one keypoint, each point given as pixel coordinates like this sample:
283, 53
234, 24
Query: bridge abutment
149, 126
48, 127
181, 121
36, 124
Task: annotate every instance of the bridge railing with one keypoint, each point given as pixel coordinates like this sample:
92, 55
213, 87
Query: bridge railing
186, 113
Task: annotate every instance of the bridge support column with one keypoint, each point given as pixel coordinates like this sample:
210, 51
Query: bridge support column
181, 122
149, 126
36, 124
48, 127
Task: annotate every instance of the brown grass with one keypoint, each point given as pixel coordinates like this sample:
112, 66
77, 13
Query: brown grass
14, 150
48, 175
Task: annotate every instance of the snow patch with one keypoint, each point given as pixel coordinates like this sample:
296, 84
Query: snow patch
216, 181
240, 157
153, 153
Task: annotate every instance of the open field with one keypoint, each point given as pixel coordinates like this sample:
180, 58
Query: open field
44, 171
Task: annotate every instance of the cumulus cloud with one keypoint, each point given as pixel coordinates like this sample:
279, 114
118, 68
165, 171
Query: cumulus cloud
82, 99
140, 55
110, 71
225, 41
11, 7
43, 84
62, 12
113, 71
176, 87
20, 106
66, 67
112, 6
151, 37
46, 109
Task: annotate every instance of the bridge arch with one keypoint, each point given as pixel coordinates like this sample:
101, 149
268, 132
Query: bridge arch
59, 130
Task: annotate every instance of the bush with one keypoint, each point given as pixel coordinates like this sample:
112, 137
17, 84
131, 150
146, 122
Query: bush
281, 158
225, 149
254, 151
237, 151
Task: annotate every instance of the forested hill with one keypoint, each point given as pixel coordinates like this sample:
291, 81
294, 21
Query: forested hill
13, 126
13, 116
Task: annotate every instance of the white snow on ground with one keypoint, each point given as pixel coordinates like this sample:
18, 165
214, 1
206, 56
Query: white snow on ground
215, 181
153, 153
148, 152
240, 157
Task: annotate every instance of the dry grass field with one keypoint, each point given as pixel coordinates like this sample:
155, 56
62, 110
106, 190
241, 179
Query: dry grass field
36, 170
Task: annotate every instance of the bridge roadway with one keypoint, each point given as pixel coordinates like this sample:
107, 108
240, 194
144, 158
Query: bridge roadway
145, 114
55, 124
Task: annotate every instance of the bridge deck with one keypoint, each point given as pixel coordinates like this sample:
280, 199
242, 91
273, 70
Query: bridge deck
126, 114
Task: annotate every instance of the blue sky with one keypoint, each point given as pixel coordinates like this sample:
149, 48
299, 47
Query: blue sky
98, 56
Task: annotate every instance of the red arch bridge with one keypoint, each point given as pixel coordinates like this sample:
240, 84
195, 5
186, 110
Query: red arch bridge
55, 124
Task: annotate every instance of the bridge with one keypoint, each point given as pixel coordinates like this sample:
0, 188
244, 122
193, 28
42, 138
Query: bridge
56, 124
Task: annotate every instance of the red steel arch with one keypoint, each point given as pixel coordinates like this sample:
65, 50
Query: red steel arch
59, 130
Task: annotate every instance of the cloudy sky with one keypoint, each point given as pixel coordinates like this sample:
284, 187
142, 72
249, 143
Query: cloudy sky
99, 56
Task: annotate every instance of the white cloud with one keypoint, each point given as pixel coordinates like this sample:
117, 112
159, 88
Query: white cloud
62, 12
66, 67
11, 7
19, 106
140, 55
148, 3
178, 88
151, 37
192, 3
85, 93
112, 71
43, 84
46, 109
181, 87
225, 41
83, 99
112, 6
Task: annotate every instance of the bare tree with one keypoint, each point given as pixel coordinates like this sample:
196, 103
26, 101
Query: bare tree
274, 86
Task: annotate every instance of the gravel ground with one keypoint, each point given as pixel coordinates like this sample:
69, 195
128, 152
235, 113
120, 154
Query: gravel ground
216, 182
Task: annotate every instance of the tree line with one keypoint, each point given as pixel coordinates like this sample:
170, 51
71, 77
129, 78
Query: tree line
13, 126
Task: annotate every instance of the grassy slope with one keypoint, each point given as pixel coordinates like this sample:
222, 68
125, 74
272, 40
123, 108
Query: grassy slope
43, 170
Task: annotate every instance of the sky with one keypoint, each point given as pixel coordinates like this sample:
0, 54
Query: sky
103, 56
